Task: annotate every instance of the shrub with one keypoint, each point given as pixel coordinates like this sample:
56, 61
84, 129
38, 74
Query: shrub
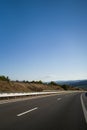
65, 87
53, 83
4, 78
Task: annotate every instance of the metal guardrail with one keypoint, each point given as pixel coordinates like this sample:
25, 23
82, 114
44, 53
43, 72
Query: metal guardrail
4, 95
7, 95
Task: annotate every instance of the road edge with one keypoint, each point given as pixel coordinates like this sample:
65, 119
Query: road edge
84, 109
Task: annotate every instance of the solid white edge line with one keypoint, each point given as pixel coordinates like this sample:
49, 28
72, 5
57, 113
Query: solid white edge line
27, 111
84, 109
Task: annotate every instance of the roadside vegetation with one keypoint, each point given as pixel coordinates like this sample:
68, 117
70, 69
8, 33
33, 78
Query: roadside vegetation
6, 85
4, 78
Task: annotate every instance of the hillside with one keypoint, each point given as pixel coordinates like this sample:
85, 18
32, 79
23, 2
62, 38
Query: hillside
6, 85
75, 83
14, 86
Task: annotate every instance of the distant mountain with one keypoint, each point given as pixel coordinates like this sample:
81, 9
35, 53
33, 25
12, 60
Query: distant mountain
74, 83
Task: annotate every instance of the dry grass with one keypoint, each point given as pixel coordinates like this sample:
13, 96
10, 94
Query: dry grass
11, 86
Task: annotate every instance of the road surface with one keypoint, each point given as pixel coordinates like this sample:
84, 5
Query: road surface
58, 112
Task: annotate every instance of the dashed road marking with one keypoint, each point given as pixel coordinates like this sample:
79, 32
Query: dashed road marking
59, 99
27, 111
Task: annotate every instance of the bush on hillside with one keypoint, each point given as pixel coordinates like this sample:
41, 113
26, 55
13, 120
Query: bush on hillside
65, 87
4, 78
53, 83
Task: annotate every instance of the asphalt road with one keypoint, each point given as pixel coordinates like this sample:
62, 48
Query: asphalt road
58, 112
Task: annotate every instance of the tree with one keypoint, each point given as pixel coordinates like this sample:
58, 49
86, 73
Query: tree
65, 87
4, 78
53, 83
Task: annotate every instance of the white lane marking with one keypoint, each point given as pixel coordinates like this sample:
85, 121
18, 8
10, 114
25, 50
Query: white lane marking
27, 111
65, 95
84, 109
58, 99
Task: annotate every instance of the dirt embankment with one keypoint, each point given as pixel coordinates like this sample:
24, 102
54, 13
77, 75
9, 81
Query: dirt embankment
13, 86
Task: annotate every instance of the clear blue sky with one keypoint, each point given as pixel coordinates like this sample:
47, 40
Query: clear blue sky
43, 39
